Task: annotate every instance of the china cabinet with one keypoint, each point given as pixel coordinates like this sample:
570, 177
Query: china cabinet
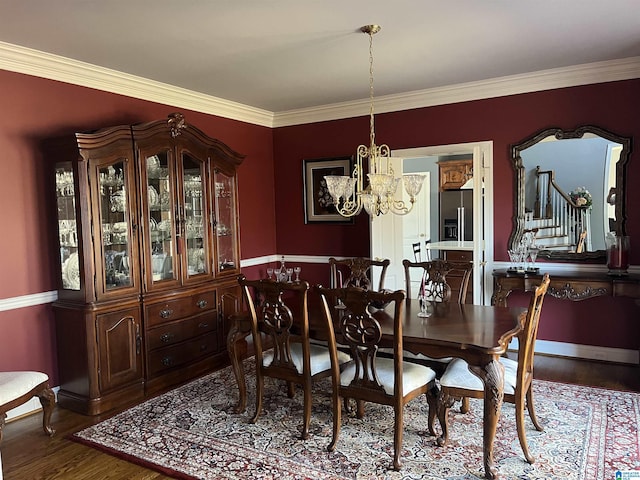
454, 173
149, 255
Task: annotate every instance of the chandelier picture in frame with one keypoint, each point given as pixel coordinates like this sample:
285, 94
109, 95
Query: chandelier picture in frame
378, 198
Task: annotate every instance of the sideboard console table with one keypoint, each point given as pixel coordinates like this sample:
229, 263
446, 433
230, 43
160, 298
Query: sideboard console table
568, 285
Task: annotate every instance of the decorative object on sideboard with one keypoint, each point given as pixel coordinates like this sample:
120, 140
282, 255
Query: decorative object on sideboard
618, 254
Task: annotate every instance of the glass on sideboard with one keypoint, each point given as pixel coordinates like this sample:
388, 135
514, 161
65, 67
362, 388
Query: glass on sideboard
67, 225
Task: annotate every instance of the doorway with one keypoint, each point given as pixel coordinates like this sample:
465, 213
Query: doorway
392, 235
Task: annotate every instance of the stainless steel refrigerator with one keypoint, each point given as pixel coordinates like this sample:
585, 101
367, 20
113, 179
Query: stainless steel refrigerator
456, 215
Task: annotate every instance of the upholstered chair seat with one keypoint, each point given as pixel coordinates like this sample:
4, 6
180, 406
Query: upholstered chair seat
17, 388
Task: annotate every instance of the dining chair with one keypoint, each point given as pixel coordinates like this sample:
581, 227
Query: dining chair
370, 378
357, 272
279, 312
17, 388
433, 279
435, 289
458, 381
417, 251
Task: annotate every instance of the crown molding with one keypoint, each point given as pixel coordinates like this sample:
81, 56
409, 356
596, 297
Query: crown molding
585, 74
54, 67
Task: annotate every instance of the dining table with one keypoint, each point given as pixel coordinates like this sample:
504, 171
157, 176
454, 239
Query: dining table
479, 334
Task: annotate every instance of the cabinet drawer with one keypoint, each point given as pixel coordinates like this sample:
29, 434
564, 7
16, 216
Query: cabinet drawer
458, 255
175, 332
174, 356
179, 308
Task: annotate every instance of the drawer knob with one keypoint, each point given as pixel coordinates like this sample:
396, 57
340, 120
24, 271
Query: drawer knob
202, 304
167, 337
203, 325
166, 312
203, 347
167, 361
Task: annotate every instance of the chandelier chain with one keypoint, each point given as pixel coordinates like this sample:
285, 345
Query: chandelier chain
372, 134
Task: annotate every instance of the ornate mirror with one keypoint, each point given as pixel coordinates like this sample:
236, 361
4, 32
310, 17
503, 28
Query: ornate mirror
570, 191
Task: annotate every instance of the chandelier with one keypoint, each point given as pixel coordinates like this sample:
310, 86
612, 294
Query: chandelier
349, 194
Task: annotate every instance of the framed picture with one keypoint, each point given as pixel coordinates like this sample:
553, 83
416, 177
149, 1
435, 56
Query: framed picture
318, 203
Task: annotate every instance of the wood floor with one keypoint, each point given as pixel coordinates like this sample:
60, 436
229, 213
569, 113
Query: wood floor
28, 454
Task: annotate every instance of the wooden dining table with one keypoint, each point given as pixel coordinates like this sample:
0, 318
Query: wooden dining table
476, 333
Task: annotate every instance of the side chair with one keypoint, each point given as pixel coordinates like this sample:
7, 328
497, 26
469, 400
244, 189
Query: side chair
370, 378
357, 272
435, 289
458, 381
279, 312
17, 388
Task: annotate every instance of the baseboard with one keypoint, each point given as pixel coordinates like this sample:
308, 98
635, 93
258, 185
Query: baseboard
28, 408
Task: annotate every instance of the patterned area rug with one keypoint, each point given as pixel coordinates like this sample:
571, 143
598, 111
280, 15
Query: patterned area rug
192, 432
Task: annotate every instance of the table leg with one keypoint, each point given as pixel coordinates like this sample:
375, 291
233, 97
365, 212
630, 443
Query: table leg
236, 334
493, 377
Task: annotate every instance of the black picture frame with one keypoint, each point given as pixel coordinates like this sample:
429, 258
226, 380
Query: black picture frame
318, 204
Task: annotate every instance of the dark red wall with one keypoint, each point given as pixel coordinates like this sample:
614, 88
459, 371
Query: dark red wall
270, 188
505, 121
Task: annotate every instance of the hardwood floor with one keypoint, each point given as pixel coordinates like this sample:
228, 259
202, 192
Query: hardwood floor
27, 453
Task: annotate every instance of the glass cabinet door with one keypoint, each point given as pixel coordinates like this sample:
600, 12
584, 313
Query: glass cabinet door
160, 208
225, 221
67, 226
115, 225
194, 218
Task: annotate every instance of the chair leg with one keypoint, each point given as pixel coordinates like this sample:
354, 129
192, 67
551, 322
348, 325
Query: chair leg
360, 408
444, 403
259, 387
519, 404
337, 419
531, 410
291, 390
432, 401
397, 436
464, 407
306, 416
48, 401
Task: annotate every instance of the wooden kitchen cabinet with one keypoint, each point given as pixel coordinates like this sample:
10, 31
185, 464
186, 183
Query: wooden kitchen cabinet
454, 173
149, 255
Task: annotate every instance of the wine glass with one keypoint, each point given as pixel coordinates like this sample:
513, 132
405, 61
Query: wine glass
270, 272
424, 306
289, 273
297, 271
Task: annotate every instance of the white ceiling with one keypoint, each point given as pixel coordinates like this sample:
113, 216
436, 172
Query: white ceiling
282, 55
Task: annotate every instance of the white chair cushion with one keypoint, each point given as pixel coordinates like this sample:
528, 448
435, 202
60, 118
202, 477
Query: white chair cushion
413, 375
15, 384
319, 358
457, 375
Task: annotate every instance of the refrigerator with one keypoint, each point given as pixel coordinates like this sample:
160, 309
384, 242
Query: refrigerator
456, 215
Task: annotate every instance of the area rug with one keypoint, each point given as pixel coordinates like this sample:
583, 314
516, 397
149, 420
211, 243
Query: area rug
192, 433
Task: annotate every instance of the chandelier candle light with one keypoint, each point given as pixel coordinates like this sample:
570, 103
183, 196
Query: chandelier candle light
378, 198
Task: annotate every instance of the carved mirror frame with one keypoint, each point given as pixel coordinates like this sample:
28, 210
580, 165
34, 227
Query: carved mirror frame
519, 191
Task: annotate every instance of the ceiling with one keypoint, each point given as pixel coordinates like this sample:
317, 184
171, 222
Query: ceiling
285, 55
